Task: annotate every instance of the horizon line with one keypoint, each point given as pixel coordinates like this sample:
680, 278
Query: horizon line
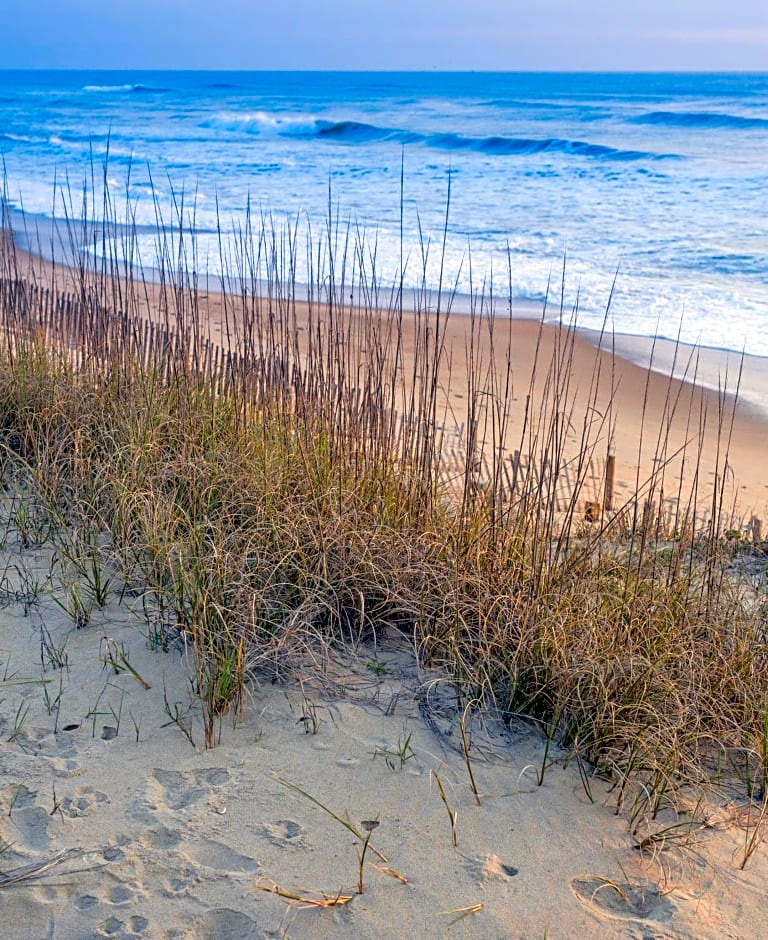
396, 71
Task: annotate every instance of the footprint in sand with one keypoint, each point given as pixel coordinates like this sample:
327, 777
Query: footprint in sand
16, 796
179, 886
180, 790
220, 857
176, 863
66, 768
490, 868
119, 896
224, 922
82, 802
623, 901
138, 924
284, 832
124, 894
161, 838
161, 861
55, 747
23, 822
84, 902
114, 927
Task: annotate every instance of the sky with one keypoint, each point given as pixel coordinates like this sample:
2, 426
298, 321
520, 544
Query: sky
386, 34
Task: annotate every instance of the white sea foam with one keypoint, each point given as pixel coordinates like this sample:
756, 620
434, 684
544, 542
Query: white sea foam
262, 122
671, 312
107, 88
21, 138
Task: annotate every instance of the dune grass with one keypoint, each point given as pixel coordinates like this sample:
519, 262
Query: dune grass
297, 508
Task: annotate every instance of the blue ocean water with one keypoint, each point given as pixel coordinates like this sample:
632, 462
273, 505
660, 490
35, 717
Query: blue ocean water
662, 178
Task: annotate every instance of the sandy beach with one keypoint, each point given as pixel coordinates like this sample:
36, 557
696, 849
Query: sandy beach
147, 834
157, 838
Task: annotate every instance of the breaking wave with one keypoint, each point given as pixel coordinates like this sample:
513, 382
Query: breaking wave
358, 132
702, 119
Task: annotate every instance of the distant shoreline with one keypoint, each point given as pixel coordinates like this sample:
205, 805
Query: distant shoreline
709, 366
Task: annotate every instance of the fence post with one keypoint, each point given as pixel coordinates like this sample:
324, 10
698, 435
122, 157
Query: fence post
610, 474
756, 526
49, 315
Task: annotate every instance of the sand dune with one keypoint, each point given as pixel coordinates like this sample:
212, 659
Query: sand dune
152, 837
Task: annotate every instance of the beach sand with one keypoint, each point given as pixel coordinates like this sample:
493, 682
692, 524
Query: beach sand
171, 841
155, 837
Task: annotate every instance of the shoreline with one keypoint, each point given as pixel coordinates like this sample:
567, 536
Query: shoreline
711, 365
662, 354
632, 400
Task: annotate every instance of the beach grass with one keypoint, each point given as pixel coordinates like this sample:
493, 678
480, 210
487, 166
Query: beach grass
290, 504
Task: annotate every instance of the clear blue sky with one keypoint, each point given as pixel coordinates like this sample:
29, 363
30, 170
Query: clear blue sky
385, 34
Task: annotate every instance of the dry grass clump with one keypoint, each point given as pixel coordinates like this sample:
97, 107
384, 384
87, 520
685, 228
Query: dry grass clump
296, 505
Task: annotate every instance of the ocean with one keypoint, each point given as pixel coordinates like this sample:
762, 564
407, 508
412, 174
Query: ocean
657, 182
